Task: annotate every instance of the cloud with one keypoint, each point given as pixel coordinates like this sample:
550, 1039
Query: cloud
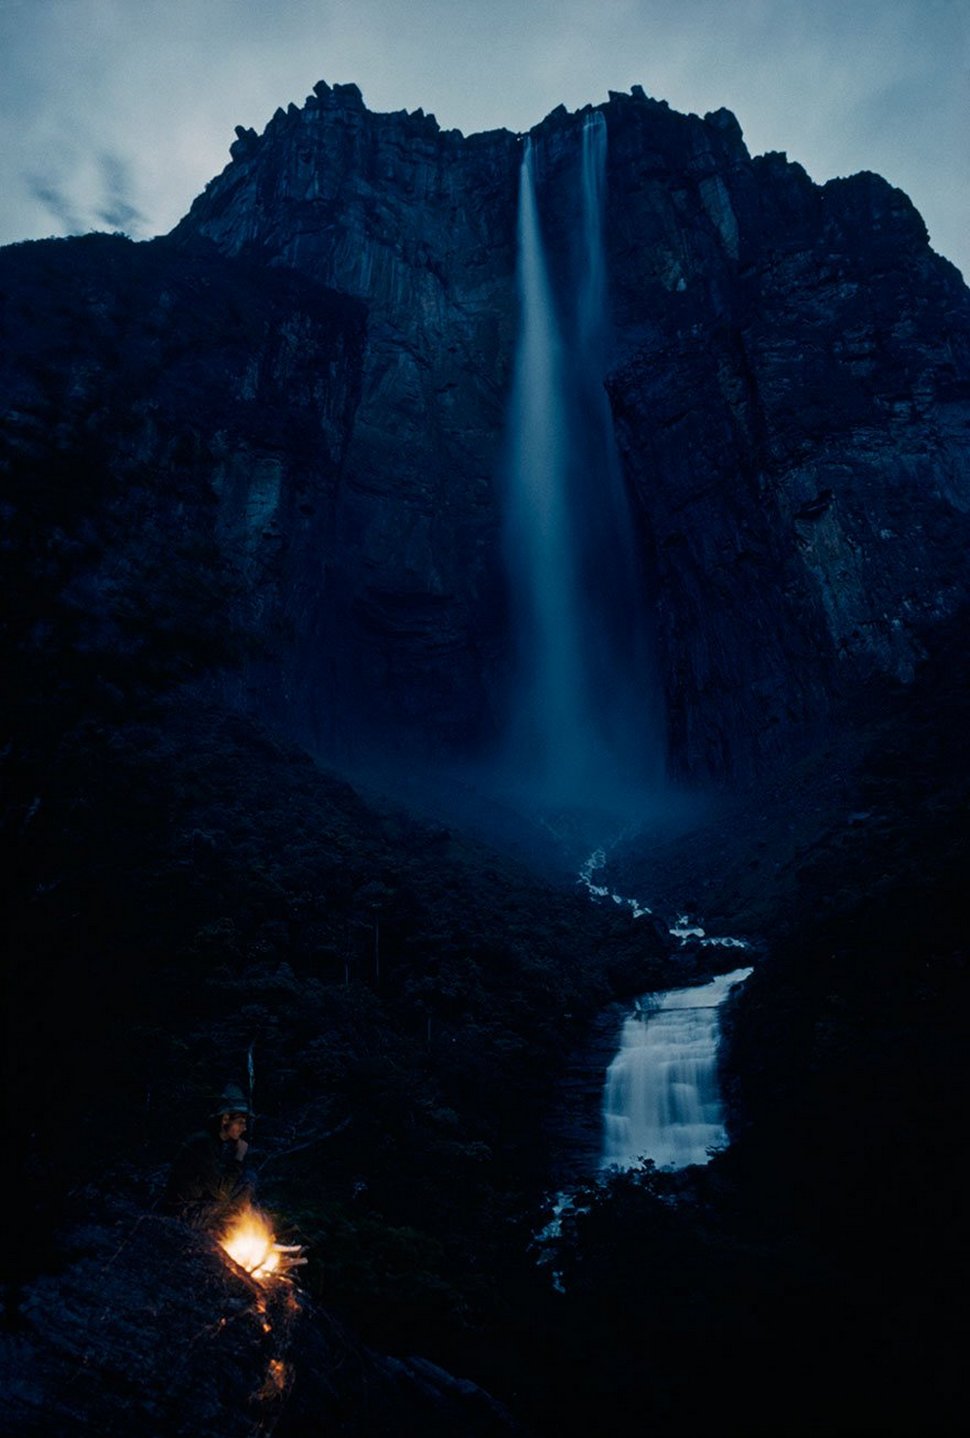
116, 208
55, 202
85, 193
842, 85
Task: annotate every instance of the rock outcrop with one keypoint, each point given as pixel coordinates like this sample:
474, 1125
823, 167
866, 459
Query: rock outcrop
150, 1326
794, 416
790, 384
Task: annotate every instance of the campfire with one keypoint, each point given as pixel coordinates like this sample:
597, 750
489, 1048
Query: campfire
249, 1241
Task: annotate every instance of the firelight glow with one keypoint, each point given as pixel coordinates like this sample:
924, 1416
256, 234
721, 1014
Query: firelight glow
251, 1243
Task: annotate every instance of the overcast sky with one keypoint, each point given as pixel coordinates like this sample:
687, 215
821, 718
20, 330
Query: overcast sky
116, 112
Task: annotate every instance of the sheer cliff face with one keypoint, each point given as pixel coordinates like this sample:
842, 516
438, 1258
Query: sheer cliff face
789, 384
420, 225
791, 394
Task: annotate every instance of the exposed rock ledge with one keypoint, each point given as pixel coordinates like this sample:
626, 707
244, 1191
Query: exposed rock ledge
151, 1329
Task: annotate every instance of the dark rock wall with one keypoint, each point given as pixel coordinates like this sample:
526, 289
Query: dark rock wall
791, 397
790, 389
790, 386
421, 225
171, 434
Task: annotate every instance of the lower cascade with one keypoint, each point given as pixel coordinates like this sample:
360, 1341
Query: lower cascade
662, 1099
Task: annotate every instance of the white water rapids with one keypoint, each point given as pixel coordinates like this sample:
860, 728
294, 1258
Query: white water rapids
662, 1100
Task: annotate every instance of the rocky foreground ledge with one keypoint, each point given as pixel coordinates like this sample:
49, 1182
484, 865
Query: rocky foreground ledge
150, 1328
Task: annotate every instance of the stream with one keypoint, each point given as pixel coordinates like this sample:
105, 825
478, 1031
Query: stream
661, 1094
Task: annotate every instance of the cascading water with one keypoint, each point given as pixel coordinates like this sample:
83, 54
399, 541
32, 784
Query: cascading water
549, 720
582, 726
623, 693
662, 1100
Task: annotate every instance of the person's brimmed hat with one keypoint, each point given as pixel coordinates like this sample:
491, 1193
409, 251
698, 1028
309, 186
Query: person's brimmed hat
232, 1100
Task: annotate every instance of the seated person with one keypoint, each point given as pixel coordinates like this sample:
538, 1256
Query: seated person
207, 1184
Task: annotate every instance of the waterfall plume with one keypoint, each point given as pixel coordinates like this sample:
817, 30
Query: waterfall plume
549, 722
583, 726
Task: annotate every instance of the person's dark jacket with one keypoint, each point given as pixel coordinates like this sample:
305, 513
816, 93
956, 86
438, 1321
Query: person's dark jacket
207, 1180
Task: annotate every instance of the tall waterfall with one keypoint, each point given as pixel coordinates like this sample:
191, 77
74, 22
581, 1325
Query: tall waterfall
583, 726
549, 723
662, 1100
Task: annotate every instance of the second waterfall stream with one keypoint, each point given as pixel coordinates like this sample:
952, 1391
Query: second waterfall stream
661, 1097
661, 1093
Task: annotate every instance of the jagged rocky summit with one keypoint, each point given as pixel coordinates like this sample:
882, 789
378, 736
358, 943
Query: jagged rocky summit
789, 380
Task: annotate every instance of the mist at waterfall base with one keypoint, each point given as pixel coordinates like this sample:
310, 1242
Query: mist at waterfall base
582, 727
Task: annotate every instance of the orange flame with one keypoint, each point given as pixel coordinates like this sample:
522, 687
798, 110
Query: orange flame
250, 1242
